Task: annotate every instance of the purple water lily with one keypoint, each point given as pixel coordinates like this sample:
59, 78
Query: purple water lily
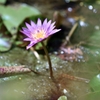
38, 32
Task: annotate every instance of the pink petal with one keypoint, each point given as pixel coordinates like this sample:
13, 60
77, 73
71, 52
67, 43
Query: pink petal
50, 29
47, 26
54, 31
26, 32
27, 39
39, 23
29, 27
45, 22
30, 45
33, 24
52, 24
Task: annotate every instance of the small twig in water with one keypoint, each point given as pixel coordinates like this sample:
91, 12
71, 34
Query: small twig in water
4, 71
70, 34
75, 78
89, 44
13, 70
35, 53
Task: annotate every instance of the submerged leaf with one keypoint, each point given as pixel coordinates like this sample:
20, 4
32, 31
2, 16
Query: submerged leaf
62, 98
2, 1
91, 96
88, 31
12, 18
95, 83
5, 44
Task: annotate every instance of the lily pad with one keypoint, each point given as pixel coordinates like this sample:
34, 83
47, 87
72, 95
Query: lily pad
5, 38
95, 83
62, 98
5, 44
94, 39
2, 1
91, 96
12, 18
88, 31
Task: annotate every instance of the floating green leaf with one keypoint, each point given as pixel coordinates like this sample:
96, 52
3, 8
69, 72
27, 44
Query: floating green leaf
91, 96
94, 39
95, 83
13, 17
2, 1
88, 31
5, 44
62, 98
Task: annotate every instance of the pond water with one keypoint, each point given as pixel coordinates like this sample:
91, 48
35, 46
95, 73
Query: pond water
70, 78
41, 87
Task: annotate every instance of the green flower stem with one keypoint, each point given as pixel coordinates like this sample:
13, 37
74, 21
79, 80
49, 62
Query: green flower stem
49, 60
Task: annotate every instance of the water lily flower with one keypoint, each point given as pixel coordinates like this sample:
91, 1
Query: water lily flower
38, 32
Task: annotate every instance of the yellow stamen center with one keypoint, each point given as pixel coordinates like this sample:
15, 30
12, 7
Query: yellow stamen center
39, 34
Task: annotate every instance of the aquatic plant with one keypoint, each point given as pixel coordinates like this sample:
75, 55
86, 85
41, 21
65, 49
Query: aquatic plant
36, 33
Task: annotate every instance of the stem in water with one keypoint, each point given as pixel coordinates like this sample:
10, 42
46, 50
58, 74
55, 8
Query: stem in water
49, 60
